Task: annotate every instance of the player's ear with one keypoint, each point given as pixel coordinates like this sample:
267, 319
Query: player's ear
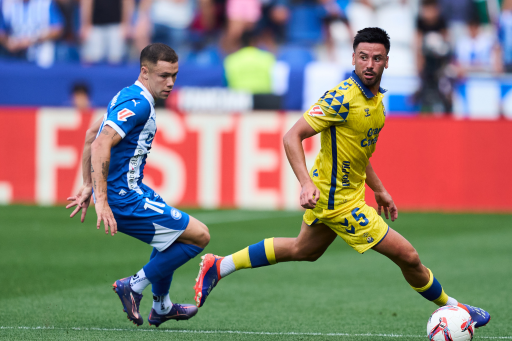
387, 62
354, 58
144, 72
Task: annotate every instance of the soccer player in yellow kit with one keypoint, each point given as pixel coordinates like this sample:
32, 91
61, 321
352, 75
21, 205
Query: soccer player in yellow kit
349, 118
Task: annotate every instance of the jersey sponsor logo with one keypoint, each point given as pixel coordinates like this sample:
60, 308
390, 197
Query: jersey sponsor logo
346, 172
124, 114
316, 111
369, 141
315, 173
175, 214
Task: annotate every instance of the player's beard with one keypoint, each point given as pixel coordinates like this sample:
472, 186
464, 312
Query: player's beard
370, 83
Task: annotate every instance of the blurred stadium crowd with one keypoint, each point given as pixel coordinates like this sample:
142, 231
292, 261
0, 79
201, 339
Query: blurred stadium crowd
440, 41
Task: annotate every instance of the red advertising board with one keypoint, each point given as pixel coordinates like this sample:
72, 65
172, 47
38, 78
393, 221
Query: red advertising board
213, 161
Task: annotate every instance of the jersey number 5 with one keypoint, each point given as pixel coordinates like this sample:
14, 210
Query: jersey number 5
359, 216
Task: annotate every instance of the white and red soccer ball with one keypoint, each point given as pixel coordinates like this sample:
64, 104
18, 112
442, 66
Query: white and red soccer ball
450, 323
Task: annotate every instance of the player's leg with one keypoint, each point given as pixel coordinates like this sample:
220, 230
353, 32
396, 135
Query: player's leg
309, 245
165, 261
420, 278
160, 226
163, 309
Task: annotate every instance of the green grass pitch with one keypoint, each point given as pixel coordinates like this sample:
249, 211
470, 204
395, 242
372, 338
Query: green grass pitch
56, 277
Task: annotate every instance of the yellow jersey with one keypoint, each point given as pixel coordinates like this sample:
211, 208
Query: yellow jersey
349, 118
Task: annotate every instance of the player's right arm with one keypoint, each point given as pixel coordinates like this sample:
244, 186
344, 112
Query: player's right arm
82, 199
100, 162
292, 141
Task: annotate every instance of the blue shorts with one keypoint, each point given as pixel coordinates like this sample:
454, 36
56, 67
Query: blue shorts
151, 220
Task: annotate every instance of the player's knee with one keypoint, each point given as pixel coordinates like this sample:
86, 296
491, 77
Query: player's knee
305, 255
410, 259
312, 257
204, 236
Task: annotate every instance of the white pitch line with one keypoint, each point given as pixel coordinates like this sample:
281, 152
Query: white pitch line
239, 332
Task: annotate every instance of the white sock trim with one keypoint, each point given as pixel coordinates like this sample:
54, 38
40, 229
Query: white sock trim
139, 282
227, 266
162, 304
452, 301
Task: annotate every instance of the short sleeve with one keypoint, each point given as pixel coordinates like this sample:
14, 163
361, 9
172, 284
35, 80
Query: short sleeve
331, 109
128, 115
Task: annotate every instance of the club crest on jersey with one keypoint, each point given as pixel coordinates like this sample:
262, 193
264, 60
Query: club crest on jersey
367, 111
124, 114
316, 111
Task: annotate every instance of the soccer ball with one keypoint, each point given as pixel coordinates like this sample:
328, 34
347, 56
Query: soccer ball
450, 323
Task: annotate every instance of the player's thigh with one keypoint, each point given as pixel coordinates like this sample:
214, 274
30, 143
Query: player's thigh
360, 227
309, 245
398, 249
196, 233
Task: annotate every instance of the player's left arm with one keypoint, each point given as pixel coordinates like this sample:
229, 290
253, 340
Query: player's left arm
383, 198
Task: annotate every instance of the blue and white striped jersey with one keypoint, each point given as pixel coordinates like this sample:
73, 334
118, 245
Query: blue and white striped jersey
131, 114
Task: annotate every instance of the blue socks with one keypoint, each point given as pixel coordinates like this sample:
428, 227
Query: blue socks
162, 265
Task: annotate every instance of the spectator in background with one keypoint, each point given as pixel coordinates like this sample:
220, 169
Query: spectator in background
68, 45
142, 28
476, 51
250, 69
457, 13
171, 20
433, 55
80, 97
105, 28
272, 24
242, 16
505, 35
29, 29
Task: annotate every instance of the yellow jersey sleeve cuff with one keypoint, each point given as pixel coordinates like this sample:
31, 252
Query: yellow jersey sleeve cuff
317, 125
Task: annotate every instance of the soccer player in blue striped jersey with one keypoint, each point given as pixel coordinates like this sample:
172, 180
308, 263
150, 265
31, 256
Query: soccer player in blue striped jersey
349, 118
114, 156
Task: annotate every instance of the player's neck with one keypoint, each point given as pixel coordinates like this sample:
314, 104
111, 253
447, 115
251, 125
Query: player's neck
146, 85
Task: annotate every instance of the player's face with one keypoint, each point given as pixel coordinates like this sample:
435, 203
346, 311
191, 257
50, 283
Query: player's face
370, 60
161, 78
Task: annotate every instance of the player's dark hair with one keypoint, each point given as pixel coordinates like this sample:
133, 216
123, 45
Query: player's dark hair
374, 35
80, 88
155, 52
429, 3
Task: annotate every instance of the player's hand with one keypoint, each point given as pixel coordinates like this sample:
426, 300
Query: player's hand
385, 202
309, 195
105, 214
81, 200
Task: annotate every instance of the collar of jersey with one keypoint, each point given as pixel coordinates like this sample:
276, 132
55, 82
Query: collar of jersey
146, 93
364, 89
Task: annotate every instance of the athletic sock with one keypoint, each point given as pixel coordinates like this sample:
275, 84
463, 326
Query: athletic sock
227, 266
253, 256
434, 292
139, 282
162, 304
452, 301
164, 263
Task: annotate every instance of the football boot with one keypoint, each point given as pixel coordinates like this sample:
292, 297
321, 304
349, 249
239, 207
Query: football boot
208, 277
130, 300
479, 316
177, 312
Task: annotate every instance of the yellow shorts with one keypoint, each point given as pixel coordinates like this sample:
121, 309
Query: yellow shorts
362, 228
